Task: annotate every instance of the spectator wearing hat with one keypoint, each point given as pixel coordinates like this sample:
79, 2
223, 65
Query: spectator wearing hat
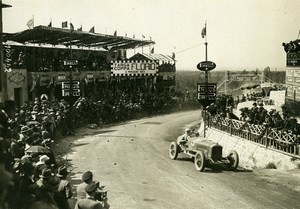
90, 202
44, 177
87, 178
41, 165
61, 188
46, 196
64, 185
17, 148
25, 132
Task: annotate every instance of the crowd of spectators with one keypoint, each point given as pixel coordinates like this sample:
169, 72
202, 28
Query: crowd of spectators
256, 115
52, 60
248, 97
27, 174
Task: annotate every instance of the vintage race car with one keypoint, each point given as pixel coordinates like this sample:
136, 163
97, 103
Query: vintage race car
205, 153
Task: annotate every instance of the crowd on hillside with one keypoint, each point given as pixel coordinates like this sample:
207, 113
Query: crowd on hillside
256, 115
30, 174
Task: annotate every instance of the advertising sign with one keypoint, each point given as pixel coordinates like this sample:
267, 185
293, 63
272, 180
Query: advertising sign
66, 88
70, 62
206, 66
7, 58
293, 60
206, 96
134, 68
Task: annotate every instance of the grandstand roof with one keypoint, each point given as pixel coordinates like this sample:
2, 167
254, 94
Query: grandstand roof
152, 56
60, 36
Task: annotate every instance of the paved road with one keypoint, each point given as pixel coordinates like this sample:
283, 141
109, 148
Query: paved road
132, 160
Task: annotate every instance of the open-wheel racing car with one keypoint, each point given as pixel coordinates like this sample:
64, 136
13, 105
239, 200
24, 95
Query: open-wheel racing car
205, 153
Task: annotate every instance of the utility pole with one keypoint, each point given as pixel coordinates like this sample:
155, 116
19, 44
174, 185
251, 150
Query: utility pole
3, 73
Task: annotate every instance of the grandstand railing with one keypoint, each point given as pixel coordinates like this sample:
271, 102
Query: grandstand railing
270, 138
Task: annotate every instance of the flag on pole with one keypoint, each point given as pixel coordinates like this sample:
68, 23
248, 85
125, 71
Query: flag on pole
203, 32
143, 36
30, 23
50, 24
152, 50
64, 24
71, 27
80, 29
133, 36
115, 33
92, 30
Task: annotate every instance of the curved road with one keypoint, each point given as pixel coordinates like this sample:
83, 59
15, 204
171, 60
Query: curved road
132, 160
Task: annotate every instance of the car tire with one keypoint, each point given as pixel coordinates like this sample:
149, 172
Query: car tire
174, 150
233, 159
200, 161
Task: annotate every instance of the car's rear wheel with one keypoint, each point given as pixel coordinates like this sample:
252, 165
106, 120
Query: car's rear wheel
233, 159
174, 150
200, 161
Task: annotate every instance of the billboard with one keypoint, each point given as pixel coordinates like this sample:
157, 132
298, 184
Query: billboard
134, 68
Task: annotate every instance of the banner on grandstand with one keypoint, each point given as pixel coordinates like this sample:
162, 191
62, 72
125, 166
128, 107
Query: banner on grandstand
134, 68
7, 58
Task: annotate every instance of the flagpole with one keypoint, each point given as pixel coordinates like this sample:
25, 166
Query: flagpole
205, 83
205, 44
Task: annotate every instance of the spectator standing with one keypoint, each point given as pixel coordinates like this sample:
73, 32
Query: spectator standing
64, 187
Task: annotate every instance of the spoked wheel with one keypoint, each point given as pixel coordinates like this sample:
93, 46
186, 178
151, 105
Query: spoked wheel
233, 158
200, 161
173, 150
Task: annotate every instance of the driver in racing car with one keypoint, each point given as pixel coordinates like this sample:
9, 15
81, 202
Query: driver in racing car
184, 138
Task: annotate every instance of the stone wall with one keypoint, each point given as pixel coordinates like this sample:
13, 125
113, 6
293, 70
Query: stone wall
251, 155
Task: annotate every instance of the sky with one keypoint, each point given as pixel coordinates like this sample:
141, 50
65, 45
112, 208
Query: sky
241, 34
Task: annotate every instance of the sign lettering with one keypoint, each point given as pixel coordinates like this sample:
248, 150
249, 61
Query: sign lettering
7, 58
122, 68
75, 92
70, 62
206, 95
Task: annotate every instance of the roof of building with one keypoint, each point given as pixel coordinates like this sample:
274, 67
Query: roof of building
153, 56
60, 36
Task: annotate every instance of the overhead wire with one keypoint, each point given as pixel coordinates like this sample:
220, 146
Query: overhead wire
189, 48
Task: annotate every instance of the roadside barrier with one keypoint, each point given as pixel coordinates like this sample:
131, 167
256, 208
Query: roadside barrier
270, 138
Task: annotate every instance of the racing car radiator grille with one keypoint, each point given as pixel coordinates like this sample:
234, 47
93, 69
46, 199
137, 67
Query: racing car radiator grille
216, 153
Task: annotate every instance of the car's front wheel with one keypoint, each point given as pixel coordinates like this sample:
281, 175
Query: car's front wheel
174, 150
200, 161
